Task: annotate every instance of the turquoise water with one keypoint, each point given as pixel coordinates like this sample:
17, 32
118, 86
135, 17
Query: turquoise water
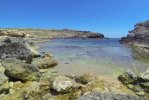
79, 56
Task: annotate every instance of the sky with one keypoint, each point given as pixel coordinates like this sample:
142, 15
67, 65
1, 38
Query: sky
113, 18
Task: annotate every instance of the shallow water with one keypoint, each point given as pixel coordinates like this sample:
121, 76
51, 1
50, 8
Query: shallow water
104, 57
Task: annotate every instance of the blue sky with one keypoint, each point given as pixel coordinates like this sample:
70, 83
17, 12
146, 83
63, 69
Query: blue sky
114, 18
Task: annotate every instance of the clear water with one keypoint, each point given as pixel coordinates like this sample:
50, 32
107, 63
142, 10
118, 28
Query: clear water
105, 57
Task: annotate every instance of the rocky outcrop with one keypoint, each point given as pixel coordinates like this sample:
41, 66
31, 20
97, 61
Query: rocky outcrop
44, 62
128, 78
139, 83
61, 84
19, 70
17, 48
139, 34
139, 38
12, 33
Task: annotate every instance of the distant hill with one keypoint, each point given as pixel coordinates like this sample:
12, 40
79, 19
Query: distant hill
46, 33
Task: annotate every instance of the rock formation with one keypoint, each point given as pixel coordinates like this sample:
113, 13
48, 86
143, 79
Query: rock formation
139, 83
139, 38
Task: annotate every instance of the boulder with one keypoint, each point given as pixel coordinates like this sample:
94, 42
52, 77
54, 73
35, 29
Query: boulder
144, 76
47, 75
128, 77
18, 70
47, 61
61, 84
16, 50
36, 91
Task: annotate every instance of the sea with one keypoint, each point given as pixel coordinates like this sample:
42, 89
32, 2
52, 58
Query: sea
94, 56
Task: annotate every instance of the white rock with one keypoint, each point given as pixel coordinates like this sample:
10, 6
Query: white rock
62, 84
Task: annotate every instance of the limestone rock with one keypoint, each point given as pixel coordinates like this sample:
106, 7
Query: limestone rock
61, 84
139, 39
4, 86
16, 50
139, 34
145, 86
37, 90
13, 33
128, 77
144, 76
108, 96
47, 61
19, 70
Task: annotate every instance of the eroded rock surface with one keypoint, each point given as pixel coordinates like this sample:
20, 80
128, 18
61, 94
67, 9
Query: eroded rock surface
19, 70
61, 84
47, 61
128, 77
139, 84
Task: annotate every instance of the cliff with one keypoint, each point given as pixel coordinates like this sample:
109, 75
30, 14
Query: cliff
139, 38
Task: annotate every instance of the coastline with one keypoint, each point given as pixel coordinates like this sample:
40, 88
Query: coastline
31, 75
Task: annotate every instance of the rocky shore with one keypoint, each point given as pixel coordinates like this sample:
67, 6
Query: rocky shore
138, 82
139, 39
26, 74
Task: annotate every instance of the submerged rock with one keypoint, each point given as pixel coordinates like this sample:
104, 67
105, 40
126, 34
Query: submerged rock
84, 79
61, 84
128, 77
47, 61
16, 69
